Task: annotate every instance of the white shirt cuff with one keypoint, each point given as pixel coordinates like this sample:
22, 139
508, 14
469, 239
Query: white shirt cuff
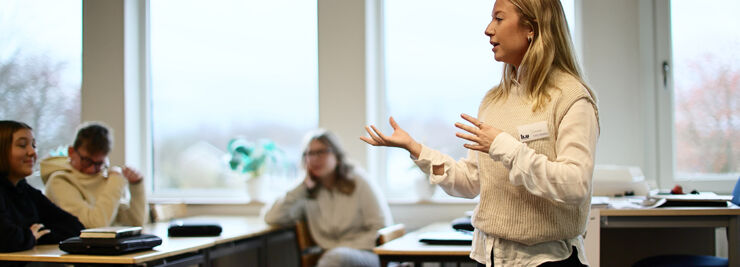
503, 148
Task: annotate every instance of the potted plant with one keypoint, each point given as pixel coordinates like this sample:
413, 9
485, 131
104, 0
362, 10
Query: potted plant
253, 160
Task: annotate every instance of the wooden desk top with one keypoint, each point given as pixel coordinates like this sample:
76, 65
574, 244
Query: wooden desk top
673, 211
409, 244
233, 229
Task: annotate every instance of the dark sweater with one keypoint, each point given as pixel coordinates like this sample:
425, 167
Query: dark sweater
20, 207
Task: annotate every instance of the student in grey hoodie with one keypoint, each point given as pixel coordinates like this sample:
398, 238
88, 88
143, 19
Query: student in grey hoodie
82, 184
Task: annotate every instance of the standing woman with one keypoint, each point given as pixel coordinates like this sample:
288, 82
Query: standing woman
27, 217
532, 145
343, 210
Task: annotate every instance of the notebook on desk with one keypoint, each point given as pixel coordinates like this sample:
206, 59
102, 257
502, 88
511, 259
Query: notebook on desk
703, 199
446, 238
109, 246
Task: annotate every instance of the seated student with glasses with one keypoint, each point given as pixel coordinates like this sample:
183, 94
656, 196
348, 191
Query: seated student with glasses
82, 184
344, 210
27, 217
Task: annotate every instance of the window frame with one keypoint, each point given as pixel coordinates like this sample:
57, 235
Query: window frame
343, 49
664, 95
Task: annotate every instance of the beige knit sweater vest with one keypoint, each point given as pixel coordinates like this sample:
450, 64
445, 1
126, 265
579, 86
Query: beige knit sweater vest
511, 212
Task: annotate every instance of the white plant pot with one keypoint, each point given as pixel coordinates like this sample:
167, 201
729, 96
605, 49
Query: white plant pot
256, 189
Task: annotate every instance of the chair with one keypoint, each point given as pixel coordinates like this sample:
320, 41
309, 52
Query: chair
682, 261
161, 212
388, 233
310, 252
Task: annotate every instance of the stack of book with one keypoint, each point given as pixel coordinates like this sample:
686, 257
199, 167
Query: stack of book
110, 241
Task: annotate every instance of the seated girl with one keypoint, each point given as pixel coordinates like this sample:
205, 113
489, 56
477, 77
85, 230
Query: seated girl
27, 217
342, 209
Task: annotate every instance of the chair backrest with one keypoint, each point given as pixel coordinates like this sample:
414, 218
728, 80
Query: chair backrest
389, 233
308, 250
161, 212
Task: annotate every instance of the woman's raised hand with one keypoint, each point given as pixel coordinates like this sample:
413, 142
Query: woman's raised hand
482, 135
399, 138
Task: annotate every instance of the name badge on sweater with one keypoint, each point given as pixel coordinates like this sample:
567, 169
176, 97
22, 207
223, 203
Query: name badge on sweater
534, 131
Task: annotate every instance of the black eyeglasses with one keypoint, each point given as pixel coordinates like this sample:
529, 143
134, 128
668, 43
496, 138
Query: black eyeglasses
317, 153
87, 162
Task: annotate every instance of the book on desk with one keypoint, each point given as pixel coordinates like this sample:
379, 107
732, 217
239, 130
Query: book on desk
702, 199
113, 240
655, 200
111, 232
447, 238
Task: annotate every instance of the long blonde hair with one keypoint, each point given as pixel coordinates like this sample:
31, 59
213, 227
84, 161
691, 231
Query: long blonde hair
550, 49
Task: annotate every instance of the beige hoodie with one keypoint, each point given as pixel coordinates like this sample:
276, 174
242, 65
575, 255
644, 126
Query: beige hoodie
94, 199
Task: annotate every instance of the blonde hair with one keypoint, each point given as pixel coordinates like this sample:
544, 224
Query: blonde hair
550, 49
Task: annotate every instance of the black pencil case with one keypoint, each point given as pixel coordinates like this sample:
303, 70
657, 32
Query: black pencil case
186, 228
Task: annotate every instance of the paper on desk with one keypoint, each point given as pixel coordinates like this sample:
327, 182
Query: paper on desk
635, 203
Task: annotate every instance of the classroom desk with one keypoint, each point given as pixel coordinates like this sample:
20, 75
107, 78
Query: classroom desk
238, 234
408, 248
694, 217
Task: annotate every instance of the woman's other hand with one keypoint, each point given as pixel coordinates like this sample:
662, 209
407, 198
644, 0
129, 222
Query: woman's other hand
482, 135
37, 232
399, 138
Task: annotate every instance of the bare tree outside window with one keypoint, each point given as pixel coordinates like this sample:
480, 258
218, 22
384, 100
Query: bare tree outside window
706, 89
708, 120
40, 68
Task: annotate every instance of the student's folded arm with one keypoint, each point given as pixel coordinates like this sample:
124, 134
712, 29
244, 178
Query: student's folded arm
567, 179
64, 194
13, 237
289, 208
372, 215
370, 207
459, 178
62, 224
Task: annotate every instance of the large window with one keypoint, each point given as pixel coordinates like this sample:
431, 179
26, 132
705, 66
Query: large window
705, 106
40, 68
439, 64
229, 69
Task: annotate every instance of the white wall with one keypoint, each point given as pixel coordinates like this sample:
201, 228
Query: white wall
103, 69
612, 61
342, 72
114, 76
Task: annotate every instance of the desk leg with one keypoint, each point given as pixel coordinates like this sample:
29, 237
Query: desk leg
592, 239
733, 241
